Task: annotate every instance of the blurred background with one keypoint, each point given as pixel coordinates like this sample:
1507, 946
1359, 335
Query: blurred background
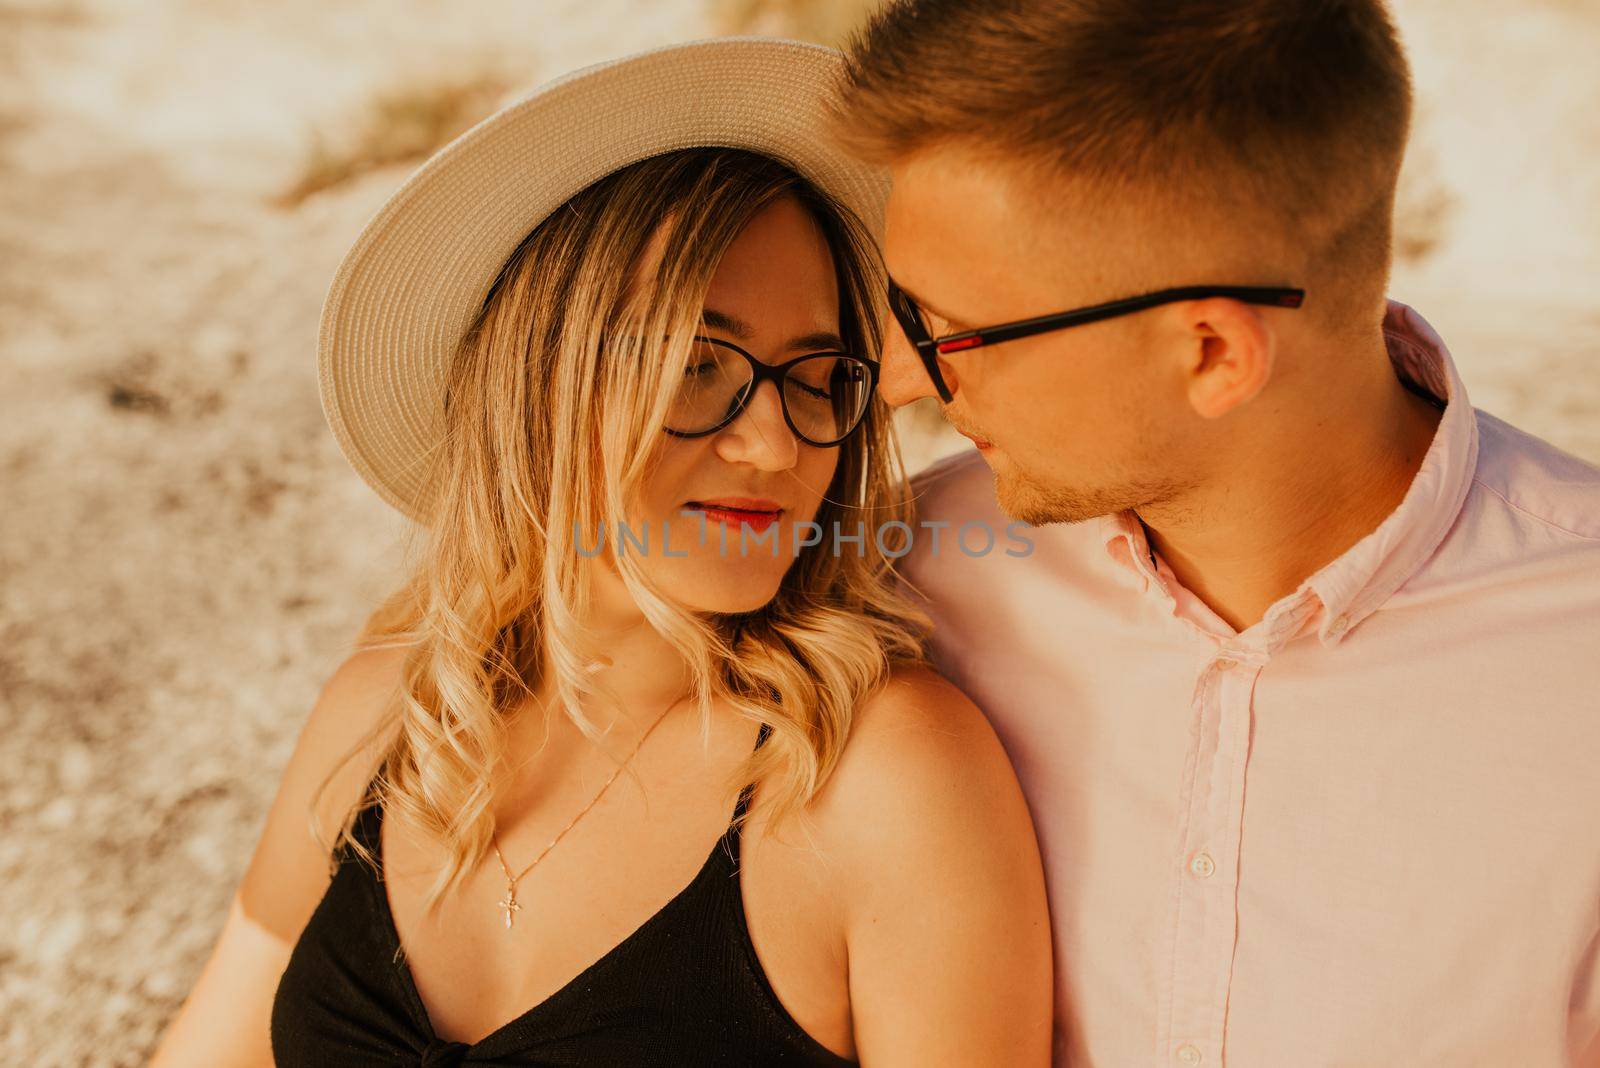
184, 554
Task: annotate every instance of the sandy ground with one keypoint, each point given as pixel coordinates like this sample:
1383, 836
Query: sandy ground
183, 551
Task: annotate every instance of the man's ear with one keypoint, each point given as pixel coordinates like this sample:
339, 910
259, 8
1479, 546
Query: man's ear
1230, 354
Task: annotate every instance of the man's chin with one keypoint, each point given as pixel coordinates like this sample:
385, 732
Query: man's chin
1023, 501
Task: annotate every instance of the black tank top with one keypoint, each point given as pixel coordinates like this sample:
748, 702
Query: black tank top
685, 988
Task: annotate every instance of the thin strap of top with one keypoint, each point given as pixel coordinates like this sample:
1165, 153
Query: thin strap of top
749, 787
366, 831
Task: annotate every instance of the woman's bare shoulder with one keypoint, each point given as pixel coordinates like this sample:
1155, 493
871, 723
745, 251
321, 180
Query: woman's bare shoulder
922, 760
340, 744
225, 1019
939, 880
344, 735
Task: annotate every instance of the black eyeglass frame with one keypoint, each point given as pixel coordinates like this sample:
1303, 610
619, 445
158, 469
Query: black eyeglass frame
930, 348
777, 374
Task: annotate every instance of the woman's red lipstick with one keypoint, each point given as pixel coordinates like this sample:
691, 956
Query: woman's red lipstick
757, 513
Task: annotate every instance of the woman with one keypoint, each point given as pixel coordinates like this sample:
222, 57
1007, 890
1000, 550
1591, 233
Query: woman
663, 393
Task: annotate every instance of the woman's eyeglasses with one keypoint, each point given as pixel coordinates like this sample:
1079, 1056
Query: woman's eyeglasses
931, 348
825, 395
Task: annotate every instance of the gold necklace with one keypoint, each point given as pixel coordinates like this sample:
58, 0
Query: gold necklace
510, 905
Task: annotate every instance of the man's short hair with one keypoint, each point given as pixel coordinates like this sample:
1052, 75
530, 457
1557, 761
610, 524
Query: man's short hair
1294, 112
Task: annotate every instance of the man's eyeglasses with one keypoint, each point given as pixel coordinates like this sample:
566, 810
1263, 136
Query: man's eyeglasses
825, 394
931, 348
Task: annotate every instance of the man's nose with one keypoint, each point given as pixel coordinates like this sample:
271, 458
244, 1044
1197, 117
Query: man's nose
759, 435
902, 378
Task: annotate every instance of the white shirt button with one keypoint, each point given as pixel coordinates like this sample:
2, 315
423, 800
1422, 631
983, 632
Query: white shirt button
1339, 626
1202, 865
1225, 663
1188, 1054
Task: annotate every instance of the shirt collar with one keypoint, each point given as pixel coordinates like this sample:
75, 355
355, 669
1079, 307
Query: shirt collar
1352, 587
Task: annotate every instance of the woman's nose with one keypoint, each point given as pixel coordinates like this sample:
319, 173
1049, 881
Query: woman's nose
759, 435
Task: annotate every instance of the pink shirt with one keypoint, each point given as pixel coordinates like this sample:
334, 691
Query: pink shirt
1364, 831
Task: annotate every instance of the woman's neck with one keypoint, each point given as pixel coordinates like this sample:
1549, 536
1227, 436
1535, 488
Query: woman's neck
639, 666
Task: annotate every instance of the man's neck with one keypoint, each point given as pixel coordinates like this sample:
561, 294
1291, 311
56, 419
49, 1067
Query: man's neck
1296, 500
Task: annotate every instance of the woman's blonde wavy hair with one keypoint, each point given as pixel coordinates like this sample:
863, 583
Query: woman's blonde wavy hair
553, 408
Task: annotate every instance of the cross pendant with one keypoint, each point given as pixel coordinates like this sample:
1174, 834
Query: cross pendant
510, 903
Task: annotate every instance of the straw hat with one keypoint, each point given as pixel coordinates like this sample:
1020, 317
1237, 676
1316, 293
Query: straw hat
415, 278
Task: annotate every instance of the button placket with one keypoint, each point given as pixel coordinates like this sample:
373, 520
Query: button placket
1203, 924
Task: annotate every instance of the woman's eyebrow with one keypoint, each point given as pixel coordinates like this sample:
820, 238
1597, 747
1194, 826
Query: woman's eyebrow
822, 339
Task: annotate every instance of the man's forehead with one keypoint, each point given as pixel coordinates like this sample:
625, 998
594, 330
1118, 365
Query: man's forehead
962, 231
946, 189
967, 228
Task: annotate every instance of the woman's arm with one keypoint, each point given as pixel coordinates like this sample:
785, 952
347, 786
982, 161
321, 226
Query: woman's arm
225, 1021
946, 925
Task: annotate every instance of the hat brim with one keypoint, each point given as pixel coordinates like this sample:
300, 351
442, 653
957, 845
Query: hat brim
416, 276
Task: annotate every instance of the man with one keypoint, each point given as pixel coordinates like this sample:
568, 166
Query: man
1300, 675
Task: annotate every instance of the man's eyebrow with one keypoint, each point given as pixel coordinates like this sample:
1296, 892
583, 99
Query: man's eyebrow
822, 339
